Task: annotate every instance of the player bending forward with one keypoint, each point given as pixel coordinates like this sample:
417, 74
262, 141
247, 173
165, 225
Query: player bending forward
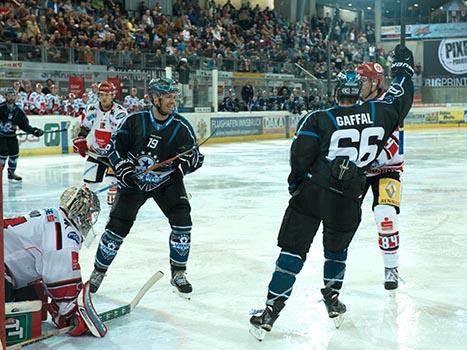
330, 153
101, 120
384, 178
44, 246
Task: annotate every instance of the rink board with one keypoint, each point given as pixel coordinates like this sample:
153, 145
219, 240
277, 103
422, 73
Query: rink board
226, 126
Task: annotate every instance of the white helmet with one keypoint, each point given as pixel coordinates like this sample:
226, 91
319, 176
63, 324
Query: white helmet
82, 206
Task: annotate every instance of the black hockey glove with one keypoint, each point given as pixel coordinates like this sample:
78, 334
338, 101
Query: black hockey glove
403, 62
125, 172
190, 161
37, 132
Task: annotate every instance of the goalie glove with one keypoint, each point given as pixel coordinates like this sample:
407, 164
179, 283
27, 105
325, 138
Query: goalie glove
126, 174
80, 146
190, 161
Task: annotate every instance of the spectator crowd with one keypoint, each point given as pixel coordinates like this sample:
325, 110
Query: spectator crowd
246, 39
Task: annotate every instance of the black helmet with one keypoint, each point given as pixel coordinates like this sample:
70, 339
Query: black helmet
348, 84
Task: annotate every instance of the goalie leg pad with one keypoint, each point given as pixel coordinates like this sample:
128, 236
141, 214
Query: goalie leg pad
89, 314
388, 234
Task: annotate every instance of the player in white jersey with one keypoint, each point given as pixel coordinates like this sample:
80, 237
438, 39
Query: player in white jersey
384, 179
93, 94
38, 104
24, 93
144, 103
101, 120
131, 102
53, 101
44, 246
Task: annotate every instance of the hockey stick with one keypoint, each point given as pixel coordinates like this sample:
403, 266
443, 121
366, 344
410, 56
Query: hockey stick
401, 128
25, 133
171, 159
105, 316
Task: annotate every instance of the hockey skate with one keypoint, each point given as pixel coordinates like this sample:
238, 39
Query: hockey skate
263, 320
13, 176
95, 280
181, 285
335, 308
391, 278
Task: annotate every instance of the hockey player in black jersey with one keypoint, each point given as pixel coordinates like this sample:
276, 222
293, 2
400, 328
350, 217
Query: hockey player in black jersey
144, 139
329, 155
11, 118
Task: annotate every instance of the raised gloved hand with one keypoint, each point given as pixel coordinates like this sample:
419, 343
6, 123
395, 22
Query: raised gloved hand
72, 318
403, 61
37, 132
126, 174
80, 145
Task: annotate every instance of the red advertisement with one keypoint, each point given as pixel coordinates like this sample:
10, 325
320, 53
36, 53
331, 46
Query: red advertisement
76, 85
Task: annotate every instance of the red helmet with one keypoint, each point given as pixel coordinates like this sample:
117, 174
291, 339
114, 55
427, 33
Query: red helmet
106, 86
372, 71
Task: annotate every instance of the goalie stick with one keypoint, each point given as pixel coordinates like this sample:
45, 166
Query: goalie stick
105, 316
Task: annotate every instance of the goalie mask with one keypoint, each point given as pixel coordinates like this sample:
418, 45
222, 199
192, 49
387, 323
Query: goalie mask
82, 206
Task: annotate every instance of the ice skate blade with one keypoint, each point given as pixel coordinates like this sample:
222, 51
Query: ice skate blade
186, 296
338, 320
258, 333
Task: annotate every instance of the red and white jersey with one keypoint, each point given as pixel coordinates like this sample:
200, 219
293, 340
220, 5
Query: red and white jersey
389, 160
93, 98
131, 103
44, 245
53, 103
23, 100
102, 124
71, 108
38, 103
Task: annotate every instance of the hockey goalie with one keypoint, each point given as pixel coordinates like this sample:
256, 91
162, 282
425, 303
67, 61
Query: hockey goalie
42, 260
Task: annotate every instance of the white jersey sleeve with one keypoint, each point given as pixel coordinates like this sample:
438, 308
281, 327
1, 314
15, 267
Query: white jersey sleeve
44, 245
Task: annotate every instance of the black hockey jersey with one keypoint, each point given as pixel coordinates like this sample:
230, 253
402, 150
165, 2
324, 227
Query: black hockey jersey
357, 133
11, 119
145, 141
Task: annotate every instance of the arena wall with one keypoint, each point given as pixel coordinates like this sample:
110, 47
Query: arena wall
227, 127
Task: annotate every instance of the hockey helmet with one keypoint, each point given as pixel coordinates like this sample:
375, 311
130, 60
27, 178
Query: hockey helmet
162, 86
82, 206
10, 91
373, 71
349, 84
107, 86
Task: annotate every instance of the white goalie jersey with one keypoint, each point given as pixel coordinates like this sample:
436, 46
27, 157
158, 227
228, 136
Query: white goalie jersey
44, 245
102, 124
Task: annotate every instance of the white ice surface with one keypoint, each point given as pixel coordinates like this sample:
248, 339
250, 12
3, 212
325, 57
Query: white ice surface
238, 200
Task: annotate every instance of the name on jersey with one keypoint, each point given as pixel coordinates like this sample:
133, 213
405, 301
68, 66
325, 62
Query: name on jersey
359, 118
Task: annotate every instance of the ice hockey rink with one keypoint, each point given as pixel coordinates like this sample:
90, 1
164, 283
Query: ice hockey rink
238, 199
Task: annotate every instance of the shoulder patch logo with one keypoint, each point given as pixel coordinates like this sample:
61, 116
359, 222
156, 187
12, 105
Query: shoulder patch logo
74, 237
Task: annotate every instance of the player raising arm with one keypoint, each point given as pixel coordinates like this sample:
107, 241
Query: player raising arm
329, 155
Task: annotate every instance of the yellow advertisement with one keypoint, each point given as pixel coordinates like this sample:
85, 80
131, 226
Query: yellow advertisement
451, 116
